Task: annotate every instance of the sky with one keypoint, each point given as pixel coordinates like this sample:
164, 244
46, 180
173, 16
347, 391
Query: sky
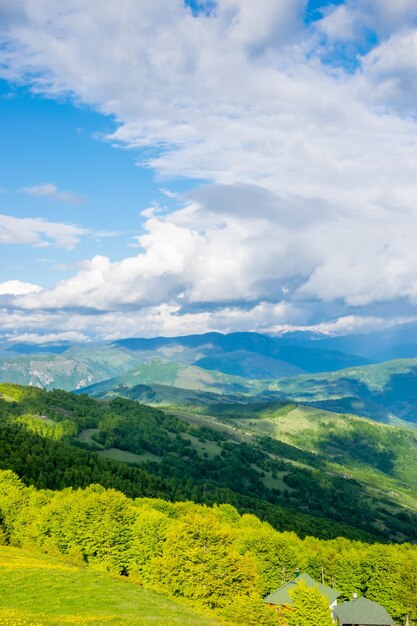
171, 167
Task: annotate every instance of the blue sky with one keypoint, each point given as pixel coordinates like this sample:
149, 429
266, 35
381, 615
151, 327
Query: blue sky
170, 168
56, 141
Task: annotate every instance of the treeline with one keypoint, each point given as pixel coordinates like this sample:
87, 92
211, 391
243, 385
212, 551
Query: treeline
212, 556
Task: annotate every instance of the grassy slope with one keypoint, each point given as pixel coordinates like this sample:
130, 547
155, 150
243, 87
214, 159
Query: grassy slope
386, 391
41, 590
170, 374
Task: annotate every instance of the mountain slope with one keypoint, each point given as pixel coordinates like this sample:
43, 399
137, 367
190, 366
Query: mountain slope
396, 342
384, 391
168, 373
74, 368
180, 455
249, 365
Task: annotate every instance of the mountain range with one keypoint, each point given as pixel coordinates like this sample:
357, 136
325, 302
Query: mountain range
341, 374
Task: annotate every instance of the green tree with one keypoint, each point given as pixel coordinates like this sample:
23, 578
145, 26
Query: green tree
199, 562
310, 607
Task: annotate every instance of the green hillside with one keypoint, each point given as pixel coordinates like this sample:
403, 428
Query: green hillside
385, 391
239, 454
37, 589
163, 395
172, 374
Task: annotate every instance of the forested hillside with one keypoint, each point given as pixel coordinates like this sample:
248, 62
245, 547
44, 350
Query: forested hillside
328, 476
211, 556
265, 468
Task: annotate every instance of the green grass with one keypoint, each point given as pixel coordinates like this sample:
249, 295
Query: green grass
125, 456
40, 590
87, 435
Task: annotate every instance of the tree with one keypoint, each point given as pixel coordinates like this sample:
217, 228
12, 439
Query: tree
310, 607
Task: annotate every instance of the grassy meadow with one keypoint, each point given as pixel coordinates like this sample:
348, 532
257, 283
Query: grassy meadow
40, 590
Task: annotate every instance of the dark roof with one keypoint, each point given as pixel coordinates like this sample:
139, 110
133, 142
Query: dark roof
282, 597
362, 611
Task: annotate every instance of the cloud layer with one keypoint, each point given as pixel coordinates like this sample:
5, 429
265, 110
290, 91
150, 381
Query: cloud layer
305, 134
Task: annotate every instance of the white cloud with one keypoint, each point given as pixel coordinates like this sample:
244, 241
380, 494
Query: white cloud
38, 232
49, 190
357, 18
360, 324
313, 190
18, 288
166, 319
72, 336
338, 23
258, 246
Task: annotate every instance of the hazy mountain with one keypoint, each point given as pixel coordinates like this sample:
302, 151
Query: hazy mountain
76, 367
248, 355
249, 365
216, 346
396, 342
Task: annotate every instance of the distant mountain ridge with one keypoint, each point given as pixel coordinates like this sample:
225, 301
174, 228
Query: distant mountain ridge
395, 342
247, 355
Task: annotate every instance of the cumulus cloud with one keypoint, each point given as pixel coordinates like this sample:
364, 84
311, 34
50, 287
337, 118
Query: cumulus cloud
166, 319
312, 193
359, 324
18, 288
49, 190
259, 246
356, 18
39, 232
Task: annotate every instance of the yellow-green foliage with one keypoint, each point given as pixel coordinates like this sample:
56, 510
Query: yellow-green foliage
309, 607
210, 556
48, 428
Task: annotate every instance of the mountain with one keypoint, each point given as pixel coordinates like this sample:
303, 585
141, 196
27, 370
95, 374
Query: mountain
249, 365
385, 391
247, 355
226, 351
74, 368
395, 342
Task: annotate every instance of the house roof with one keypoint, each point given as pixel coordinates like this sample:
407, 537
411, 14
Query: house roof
362, 611
282, 597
